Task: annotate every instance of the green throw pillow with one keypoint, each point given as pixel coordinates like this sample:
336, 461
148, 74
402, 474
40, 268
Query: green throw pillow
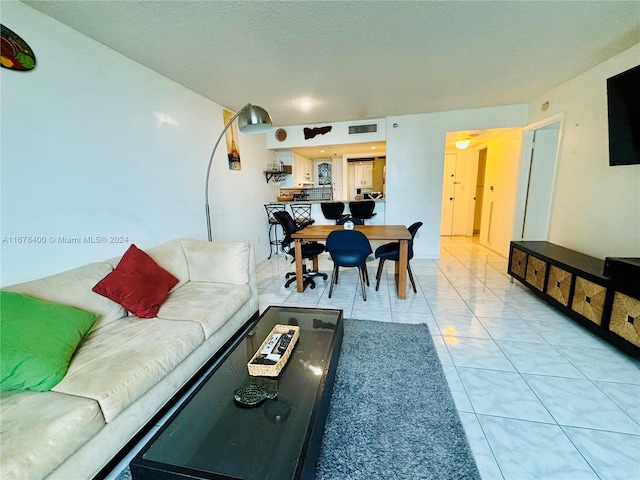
37, 340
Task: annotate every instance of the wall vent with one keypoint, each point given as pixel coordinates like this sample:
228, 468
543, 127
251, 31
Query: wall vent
355, 129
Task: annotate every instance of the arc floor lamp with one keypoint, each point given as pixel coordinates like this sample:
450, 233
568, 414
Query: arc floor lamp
251, 119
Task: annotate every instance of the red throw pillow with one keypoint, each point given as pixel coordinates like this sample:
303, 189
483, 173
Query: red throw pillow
138, 283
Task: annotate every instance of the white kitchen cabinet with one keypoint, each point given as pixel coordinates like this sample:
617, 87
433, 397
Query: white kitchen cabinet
302, 171
364, 175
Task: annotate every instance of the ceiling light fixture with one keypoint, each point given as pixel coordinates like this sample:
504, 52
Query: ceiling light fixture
462, 143
251, 119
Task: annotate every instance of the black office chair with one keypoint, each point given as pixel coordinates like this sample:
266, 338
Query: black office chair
349, 248
333, 211
391, 251
362, 209
309, 249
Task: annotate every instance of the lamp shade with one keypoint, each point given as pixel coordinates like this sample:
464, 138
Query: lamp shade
254, 119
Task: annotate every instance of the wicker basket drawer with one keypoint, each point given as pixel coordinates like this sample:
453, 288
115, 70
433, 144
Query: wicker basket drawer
518, 262
588, 300
536, 270
625, 318
559, 285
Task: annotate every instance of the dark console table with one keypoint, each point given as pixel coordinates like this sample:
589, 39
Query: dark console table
576, 284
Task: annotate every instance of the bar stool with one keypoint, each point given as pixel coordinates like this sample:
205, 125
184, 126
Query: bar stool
362, 209
273, 226
301, 213
333, 211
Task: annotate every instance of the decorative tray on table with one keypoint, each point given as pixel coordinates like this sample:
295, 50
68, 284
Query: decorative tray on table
274, 352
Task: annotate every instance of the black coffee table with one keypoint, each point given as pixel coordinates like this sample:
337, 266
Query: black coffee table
212, 437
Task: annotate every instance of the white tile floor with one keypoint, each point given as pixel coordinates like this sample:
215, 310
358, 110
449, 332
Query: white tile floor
539, 396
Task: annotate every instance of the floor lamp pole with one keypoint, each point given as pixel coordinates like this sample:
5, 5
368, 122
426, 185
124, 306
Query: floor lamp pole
206, 187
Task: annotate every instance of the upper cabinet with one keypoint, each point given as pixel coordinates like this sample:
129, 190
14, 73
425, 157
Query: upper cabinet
364, 175
302, 171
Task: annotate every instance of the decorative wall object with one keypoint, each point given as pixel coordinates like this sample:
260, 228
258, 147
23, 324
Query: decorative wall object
233, 151
15, 53
312, 132
281, 134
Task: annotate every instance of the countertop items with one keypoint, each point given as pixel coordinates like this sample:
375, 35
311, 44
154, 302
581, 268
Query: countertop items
381, 200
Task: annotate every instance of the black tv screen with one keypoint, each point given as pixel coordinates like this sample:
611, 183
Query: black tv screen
623, 102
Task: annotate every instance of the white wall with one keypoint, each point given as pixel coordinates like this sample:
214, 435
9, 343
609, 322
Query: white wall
415, 164
338, 135
85, 153
596, 208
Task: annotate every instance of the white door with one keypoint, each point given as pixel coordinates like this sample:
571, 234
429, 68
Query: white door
448, 194
458, 193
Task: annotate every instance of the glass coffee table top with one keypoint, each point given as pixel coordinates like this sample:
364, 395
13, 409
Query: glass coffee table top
212, 436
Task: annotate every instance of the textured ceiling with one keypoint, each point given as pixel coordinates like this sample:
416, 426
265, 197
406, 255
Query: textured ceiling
359, 59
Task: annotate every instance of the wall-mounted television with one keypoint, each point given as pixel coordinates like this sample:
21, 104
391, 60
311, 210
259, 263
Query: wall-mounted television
623, 102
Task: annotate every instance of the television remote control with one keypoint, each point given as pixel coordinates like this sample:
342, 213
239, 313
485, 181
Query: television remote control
284, 343
271, 344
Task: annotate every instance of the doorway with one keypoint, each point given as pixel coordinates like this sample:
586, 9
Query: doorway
482, 168
537, 173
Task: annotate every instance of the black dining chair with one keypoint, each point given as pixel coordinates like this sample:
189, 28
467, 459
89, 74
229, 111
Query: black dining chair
349, 248
310, 250
333, 211
391, 251
362, 209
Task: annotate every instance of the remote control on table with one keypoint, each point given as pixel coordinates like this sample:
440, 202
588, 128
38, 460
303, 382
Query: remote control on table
271, 344
284, 343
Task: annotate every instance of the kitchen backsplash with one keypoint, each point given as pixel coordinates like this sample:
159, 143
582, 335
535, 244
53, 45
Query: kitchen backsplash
308, 193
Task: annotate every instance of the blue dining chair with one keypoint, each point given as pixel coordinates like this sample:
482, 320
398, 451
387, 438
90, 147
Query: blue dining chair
349, 248
391, 251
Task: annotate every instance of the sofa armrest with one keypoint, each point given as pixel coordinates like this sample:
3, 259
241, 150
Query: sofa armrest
218, 262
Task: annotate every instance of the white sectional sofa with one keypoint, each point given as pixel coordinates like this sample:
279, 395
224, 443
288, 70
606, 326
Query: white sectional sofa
127, 368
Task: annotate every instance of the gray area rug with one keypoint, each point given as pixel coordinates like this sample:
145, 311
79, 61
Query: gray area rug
392, 415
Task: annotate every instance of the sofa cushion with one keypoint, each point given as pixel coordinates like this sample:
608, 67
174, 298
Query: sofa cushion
170, 256
38, 340
118, 363
217, 262
138, 283
32, 448
73, 287
208, 304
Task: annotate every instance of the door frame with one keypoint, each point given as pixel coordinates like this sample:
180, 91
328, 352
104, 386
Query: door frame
526, 153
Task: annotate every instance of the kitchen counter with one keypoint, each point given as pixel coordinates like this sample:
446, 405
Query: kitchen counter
346, 203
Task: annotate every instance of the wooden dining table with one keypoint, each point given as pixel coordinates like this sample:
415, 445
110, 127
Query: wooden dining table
388, 233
